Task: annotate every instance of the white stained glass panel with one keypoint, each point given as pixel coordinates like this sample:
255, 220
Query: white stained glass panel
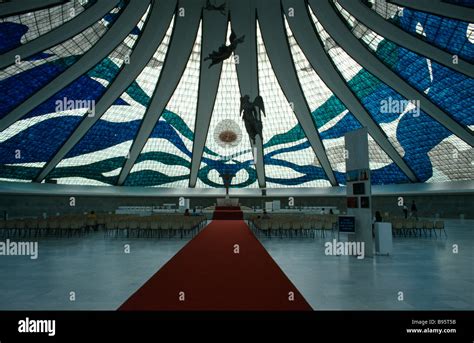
349, 68
124, 115
317, 93
180, 115
279, 120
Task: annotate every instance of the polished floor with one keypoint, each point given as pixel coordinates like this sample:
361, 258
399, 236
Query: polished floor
103, 276
97, 269
426, 270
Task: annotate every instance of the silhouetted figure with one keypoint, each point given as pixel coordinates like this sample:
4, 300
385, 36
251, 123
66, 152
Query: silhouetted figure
186, 212
251, 115
414, 210
405, 211
378, 217
211, 7
225, 51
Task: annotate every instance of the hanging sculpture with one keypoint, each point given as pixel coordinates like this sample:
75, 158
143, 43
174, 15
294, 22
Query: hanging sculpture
225, 51
211, 7
251, 115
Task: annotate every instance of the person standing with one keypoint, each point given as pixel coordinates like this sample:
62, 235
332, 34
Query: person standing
265, 214
414, 210
405, 211
378, 217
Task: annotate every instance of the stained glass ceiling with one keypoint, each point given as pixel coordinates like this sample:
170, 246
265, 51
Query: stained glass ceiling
418, 141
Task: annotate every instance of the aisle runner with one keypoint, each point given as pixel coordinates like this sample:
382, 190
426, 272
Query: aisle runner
223, 268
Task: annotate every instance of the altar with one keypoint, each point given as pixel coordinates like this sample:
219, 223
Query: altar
227, 201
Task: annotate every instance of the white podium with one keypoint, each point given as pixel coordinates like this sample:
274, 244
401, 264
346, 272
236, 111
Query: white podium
383, 238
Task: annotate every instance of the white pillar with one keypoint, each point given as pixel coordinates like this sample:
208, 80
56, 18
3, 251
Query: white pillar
358, 186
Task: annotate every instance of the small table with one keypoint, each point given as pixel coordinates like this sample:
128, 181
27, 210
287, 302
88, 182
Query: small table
383, 238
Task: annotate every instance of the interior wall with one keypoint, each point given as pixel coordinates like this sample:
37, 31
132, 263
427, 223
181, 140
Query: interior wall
446, 206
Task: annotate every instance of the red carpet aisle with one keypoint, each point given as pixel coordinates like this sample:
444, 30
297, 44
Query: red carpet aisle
210, 276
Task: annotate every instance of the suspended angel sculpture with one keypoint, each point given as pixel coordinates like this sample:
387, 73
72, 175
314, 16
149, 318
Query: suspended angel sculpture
211, 7
251, 115
225, 51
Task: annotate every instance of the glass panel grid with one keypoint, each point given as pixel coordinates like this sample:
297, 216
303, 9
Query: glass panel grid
29, 143
101, 153
23, 79
454, 36
166, 157
289, 158
23, 28
448, 89
412, 132
327, 110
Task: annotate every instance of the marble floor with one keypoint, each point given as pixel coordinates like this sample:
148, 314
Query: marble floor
426, 270
97, 269
103, 276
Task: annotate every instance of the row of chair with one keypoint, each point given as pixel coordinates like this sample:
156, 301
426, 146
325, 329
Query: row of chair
310, 225
293, 226
113, 225
44, 227
410, 227
149, 227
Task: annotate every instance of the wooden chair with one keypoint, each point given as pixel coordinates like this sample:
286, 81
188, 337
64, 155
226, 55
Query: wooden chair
53, 227
308, 228
42, 227
327, 226
77, 227
122, 228
419, 227
64, 227
154, 229
133, 228
409, 226
428, 225
318, 226
398, 228
265, 227
439, 225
